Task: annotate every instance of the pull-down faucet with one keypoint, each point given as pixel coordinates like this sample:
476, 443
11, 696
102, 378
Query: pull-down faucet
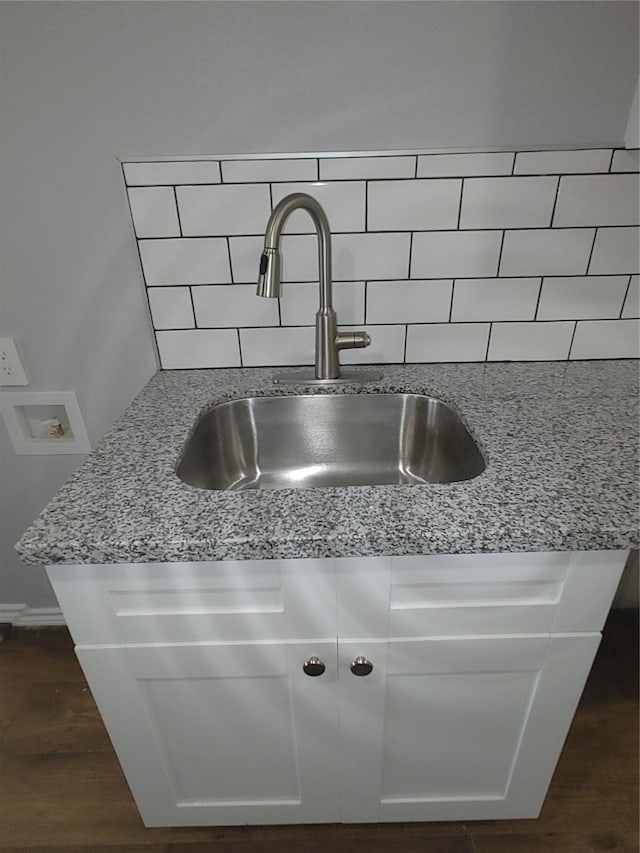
328, 339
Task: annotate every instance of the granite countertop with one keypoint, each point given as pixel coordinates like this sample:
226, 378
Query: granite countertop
560, 440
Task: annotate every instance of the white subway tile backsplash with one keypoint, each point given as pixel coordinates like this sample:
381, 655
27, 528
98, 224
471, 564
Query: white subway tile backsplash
300, 301
171, 307
413, 205
154, 212
562, 162
408, 301
198, 348
353, 168
224, 305
172, 174
477, 299
447, 342
185, 261
386, 347
370, 256
606, 339
455, 254
441, 257
507, 202
259, 171
299, 258
530, 341
626, 160
277, 347
616, 250
632, 302
208, 211
597, 200
582, 297
462, 165
546, 252
343, 202
355, 257
245, 258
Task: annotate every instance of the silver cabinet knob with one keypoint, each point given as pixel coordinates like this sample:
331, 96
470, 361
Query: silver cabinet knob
313, 667
361, 666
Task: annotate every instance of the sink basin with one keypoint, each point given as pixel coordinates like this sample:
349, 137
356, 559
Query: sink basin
305, 441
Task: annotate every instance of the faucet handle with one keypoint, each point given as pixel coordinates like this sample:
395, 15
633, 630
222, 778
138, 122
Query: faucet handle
352, 340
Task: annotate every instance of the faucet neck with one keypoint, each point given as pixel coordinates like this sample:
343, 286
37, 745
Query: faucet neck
273, 236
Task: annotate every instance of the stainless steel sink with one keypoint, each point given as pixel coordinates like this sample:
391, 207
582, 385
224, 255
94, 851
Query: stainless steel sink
299, 442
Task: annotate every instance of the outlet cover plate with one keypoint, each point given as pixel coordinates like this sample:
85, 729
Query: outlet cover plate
11, 369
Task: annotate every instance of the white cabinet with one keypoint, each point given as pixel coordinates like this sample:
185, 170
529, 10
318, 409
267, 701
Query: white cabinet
477, 664
221, 733
457, 729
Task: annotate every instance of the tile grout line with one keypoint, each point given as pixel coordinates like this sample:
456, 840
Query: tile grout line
555, 202
573, 335
397, 232
398, 324
593, 245
175, 196
626, 294
486, 355
460, 204
366, 207
193, 308
535, 313
384, 179
497, 275
366, 293
239, 346
230, 261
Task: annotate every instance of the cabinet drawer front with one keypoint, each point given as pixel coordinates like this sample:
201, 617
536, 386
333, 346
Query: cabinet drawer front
191, 602
474, 594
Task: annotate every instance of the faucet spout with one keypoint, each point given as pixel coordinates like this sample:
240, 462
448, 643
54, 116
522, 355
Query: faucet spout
328, 340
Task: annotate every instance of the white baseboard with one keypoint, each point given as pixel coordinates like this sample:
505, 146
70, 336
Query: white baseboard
23, 616
43, 617
10, 612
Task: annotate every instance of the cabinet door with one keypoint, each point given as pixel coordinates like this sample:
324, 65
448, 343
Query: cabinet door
456, 729
213, 734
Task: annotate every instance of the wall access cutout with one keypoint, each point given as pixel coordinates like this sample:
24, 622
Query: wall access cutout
42, 422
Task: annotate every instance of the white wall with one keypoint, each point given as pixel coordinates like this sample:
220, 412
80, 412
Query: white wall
85, 83
632, 133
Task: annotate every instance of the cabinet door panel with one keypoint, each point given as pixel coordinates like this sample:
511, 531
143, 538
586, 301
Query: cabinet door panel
362, 728
472, 728
223, 734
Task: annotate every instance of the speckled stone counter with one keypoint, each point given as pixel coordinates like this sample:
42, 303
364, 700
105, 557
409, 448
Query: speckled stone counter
560, 440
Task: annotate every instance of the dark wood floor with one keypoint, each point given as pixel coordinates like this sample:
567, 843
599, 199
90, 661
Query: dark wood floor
61, 787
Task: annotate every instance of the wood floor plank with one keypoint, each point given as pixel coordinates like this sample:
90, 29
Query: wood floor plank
611, 842
319, 844
30, 664
90, 848
50, 717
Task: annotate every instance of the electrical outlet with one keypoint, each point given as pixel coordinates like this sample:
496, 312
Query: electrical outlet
11, 369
